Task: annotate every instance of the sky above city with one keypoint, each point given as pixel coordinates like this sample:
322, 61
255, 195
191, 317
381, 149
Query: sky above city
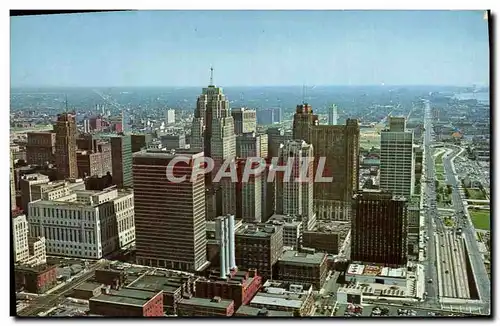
250, 48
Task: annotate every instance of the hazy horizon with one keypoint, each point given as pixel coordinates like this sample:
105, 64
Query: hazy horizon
250, 49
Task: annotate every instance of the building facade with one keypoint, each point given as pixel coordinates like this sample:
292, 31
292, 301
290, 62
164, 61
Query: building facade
40, 147
245, 120
121, 151
65, 153
397, 163
169, 216
379, 228
294, 187
85, 223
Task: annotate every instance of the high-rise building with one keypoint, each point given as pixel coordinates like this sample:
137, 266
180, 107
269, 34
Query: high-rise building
140, 141
245, 120
295, 195
41, 147
121, 151
248, 145
20, 237
65, 130
169, 216
248, 194
213, 128
170, 116
340, 146
13, 205
269, 116
396, 158
379, 228
177, 141
332, 115
276, 137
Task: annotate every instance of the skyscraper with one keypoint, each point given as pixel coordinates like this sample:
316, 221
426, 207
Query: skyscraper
213, 128
332, 115
170, 116
169, 216
13, 205
65, 154
121, 151
397, 164
245, 120
295, 195
340, 146
379, 228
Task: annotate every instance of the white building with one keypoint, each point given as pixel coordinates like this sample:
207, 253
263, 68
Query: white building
170, 116
37, 251
295, 196
87, 224
20, 238
397, 163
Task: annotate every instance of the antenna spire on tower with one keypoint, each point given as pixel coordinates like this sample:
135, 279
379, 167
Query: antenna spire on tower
211, 75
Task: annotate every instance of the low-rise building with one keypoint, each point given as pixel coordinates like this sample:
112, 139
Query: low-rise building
249, 311
194, 307
292, 297
326, 241
239, 287
35, 279
127, 303
376, 274
303, 267
87, 290
259, 246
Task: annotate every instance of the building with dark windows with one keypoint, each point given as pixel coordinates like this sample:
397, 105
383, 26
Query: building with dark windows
41, 147
121, 151
169, 216
245, 120
379, 228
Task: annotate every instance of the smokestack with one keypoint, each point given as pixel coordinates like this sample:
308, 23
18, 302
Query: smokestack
226, 243
220, 235
231, 237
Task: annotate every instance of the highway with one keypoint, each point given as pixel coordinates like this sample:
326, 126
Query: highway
476, 259
431, 213
46, 302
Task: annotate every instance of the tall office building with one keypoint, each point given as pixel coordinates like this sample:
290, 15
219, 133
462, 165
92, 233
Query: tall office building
65, 154
213, 128
245, 120
269, 116
13, 205
169, 216
121, 151
340, 146
396, 158
170, 116
276, 137
41, 147
379, 228
332, 115
248, 194
140, 141
249, 145
295, 196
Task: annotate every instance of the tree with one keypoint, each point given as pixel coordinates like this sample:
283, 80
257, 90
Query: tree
436, 183
438, 197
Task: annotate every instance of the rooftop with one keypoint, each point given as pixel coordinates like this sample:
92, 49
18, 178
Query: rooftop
372, 270
206, 303
158, 283
277, 300
127, 296
253, 311
302, 258
88, 286
168, 154
257, 230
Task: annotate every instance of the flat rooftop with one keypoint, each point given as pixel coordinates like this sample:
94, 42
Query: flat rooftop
88, 286
157, 283
168, 154
253, 311
206, 303
127, 296
373, 270
260, 230
276, 300
302, 258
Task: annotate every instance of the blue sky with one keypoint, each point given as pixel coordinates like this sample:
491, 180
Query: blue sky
177, 48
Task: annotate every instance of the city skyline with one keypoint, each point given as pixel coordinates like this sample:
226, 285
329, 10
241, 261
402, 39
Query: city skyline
250, 48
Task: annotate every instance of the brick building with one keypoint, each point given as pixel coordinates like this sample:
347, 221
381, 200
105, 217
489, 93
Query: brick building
303, 267
127, 303
35, 279
195, 307
40, 147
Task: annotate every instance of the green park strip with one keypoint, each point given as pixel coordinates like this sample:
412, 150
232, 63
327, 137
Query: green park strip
480, 219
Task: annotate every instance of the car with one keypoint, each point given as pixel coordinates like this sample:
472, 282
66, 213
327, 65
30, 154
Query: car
430, 280
446, 271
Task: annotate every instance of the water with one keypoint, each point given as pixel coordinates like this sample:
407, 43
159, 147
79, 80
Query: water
481, 97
